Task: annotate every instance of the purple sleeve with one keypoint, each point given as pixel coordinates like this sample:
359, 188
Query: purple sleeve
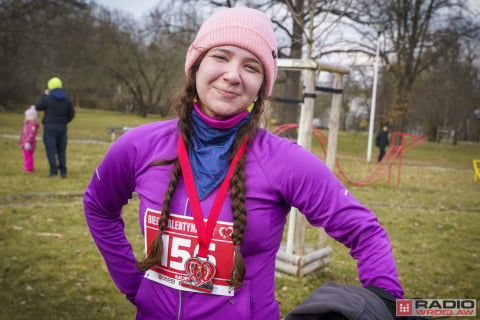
109, 190
307, 184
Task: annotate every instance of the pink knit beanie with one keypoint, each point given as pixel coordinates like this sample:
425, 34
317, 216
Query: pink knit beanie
31, 113
242, 27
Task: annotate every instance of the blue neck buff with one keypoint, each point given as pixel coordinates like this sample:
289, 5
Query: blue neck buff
209, 152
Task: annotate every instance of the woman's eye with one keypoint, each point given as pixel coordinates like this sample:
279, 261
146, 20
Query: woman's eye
220, 57
252, 68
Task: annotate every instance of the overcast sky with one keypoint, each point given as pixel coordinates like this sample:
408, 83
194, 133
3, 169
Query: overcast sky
140, 7
137, 8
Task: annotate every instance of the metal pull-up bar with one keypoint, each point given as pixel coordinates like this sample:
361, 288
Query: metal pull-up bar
304, 64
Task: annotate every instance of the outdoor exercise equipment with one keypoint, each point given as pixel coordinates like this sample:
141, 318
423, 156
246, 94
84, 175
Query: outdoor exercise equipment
295, 256
401, 143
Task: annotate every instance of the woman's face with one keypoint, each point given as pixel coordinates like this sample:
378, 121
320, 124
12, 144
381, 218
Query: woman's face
228, 80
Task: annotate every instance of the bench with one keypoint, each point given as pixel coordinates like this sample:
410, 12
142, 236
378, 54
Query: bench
113, 131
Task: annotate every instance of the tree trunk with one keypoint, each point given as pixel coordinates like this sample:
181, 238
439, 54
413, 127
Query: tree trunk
289, 112
400, 106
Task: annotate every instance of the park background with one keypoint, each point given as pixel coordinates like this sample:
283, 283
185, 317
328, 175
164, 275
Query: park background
51, 269
120, 71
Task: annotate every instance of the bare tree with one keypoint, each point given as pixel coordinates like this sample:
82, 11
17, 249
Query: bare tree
298, 38
412, 41
37, 39
145, 59
446, 95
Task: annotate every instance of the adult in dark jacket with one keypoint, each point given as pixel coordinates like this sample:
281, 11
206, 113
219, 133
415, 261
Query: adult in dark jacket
382, 142
59, 112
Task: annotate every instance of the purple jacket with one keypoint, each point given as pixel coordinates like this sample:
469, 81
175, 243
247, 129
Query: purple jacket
279, 174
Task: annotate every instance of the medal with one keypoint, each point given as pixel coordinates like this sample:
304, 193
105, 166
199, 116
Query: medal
200, 273
199, 269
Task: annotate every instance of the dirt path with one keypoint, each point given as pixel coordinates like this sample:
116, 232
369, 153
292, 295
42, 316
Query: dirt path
93, 141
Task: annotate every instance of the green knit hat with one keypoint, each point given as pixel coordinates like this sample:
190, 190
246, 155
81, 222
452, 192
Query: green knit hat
54, 83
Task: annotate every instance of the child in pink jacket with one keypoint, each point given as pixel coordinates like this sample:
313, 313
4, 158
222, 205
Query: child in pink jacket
27, 139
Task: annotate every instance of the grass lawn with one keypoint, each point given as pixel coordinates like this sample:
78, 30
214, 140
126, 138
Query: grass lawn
51, 269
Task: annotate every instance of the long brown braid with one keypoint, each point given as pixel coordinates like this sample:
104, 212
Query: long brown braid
238, 191
182, 102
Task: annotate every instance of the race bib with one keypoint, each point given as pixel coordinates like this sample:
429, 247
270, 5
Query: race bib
180, 242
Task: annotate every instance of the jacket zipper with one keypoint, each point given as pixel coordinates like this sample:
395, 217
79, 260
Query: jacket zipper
179, 304
180, 291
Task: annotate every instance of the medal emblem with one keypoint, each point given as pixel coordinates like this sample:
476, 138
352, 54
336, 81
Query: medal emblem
200, 274
225, 232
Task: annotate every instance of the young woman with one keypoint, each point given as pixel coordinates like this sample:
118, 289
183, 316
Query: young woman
215, 190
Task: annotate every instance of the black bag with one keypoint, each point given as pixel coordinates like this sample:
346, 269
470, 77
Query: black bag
390, 302
334, 301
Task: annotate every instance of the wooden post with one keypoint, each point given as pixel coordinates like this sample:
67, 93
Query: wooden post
332, 141
305, 140
334, 123
306, 113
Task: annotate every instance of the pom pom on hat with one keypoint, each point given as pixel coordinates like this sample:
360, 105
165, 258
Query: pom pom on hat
31, 113
54, 83
243, 27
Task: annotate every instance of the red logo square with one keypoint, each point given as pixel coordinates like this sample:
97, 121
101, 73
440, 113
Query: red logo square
404, 308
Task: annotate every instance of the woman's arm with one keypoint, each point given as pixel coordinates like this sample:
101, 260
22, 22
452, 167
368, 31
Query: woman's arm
306, 183
109, 190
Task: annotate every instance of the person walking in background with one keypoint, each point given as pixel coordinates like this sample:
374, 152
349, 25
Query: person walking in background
58, 112
214, 162
28, 140
382, 142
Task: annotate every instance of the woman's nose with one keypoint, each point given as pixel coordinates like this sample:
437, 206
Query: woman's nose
232, 73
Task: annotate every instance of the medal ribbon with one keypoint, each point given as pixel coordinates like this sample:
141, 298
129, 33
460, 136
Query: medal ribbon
205, 233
